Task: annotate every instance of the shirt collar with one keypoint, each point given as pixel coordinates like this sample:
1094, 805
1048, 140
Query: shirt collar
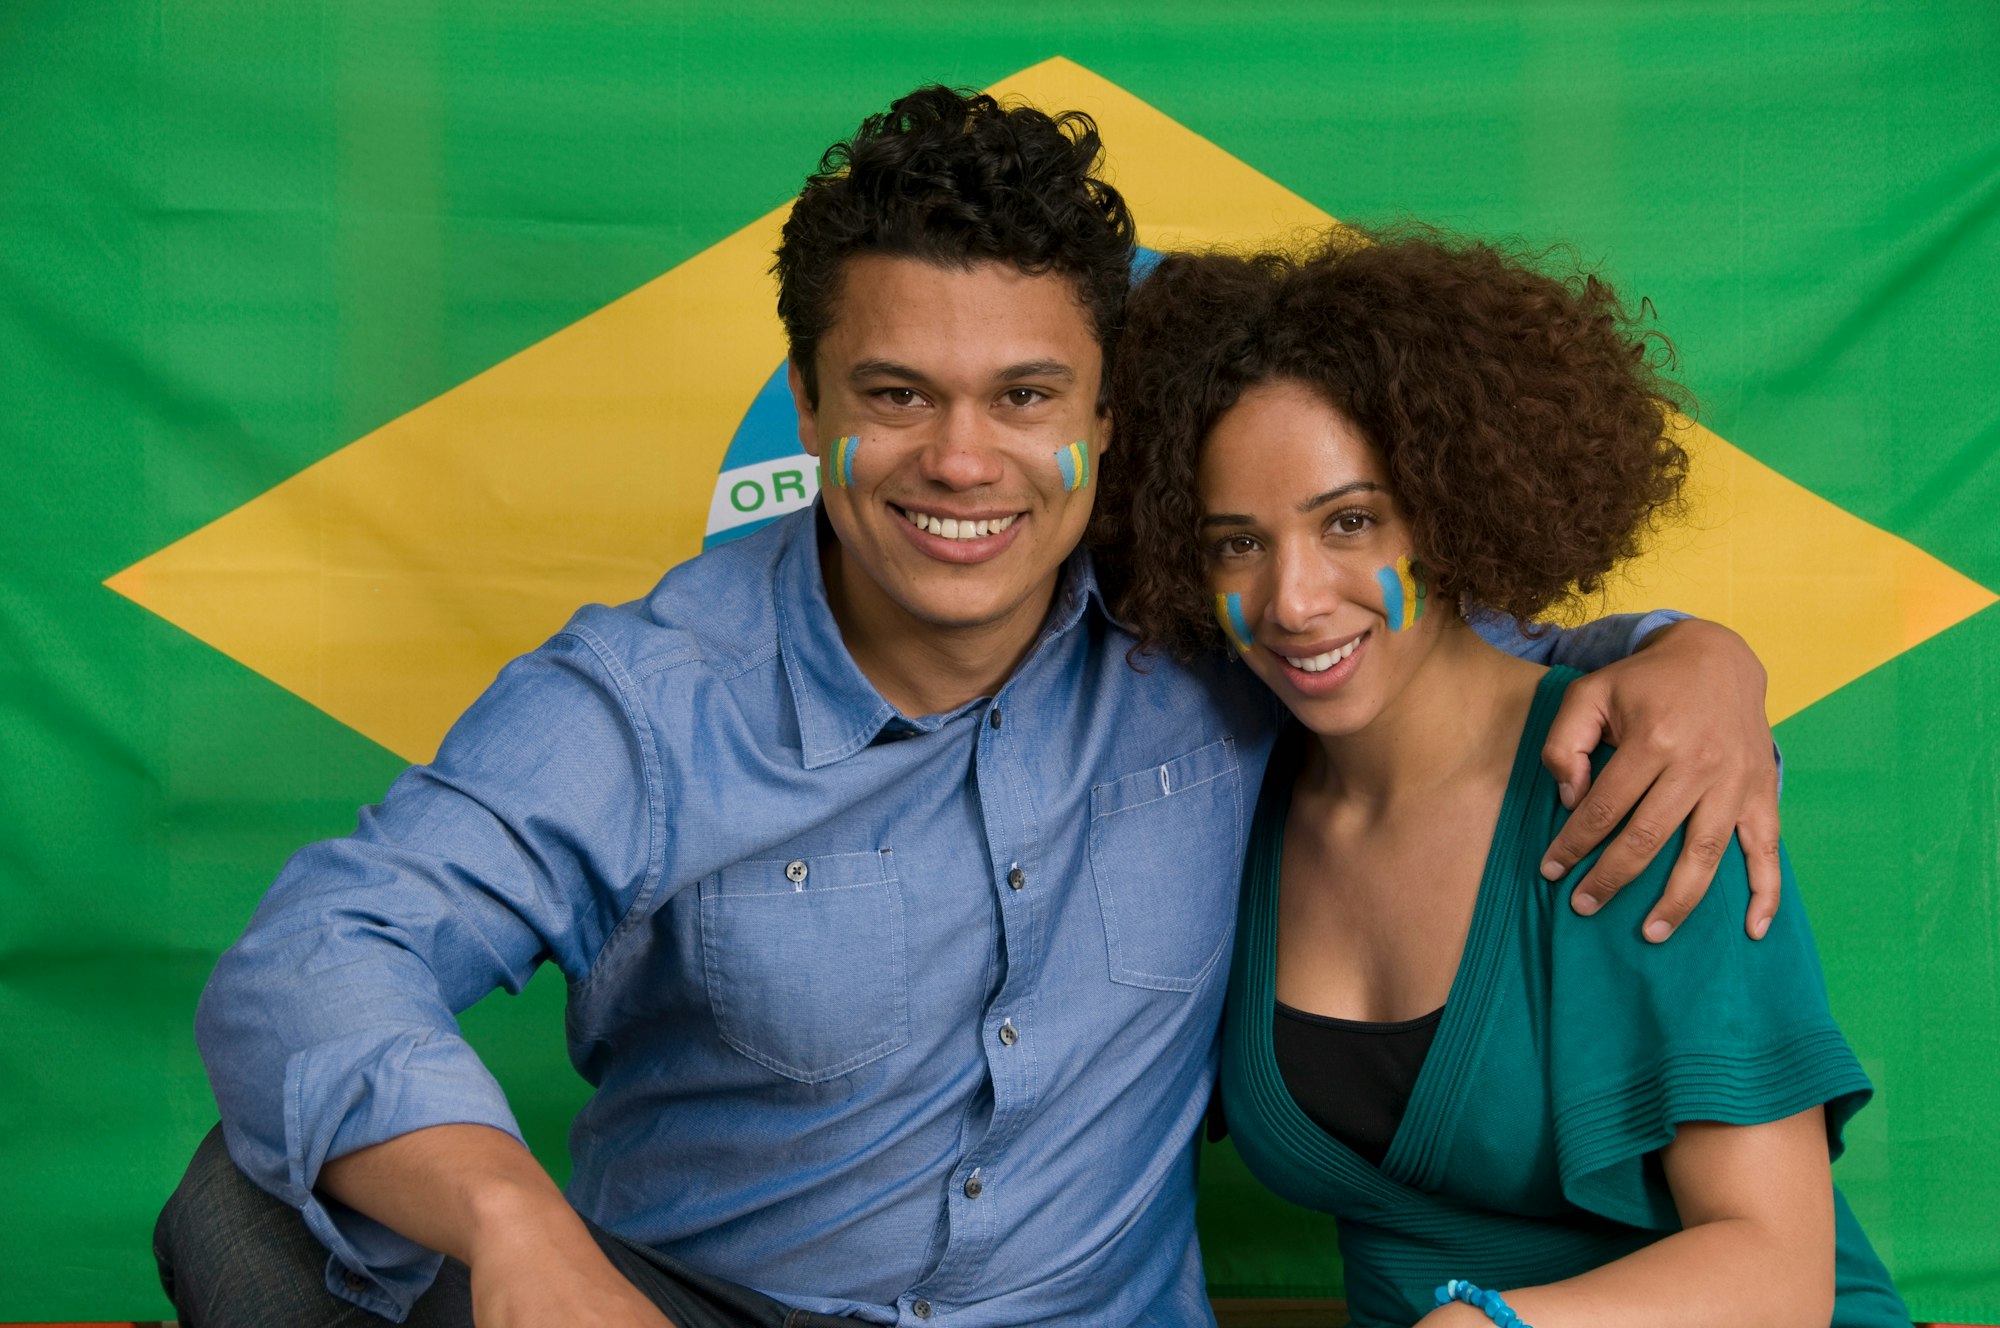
839, 710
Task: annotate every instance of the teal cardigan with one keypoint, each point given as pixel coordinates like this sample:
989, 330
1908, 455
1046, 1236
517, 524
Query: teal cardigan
1568, 1051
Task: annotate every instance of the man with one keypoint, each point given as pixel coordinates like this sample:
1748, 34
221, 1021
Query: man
892, 899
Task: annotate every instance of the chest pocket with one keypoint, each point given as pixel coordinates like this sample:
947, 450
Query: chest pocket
1166, 848
806, 961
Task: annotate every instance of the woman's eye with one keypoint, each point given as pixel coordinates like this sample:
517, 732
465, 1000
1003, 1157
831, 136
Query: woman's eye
1234, 546
1352, 522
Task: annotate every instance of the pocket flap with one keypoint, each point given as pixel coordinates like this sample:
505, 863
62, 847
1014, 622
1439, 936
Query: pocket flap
822, 871
1164, 780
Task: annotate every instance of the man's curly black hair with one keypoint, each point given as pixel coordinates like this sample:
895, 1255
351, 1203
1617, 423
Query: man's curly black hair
955, 178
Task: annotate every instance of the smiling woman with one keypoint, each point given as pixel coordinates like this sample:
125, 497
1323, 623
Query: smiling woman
1511, 1109
1525, 477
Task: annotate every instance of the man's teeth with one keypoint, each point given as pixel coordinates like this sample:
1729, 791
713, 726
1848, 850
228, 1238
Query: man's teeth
954, 529
1321, 663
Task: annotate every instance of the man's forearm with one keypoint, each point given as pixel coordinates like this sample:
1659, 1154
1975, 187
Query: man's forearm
458, 1189
476, 1194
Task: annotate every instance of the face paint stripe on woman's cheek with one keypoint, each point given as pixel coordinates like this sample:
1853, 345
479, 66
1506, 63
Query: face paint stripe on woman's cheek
1229, 613
1414, 590
1403, 593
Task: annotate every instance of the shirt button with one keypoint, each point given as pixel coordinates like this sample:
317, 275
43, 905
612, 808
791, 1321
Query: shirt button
974, 1187
1016, 877
795, 871
1008, 1034
922, 1309
993, 717
354, 1281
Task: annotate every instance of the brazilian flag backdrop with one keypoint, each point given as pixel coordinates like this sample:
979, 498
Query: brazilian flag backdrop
345, 345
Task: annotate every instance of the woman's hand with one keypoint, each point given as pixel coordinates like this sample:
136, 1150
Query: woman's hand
1686, 713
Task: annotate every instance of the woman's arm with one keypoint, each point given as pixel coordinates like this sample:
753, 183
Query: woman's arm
1756, 1244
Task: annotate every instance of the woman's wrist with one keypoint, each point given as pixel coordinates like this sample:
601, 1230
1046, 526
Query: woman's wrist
1485, 1302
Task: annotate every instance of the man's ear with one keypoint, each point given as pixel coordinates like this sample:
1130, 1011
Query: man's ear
1104, 435
802, 403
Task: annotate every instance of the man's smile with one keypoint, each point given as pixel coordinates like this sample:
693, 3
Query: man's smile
956, 527
968, 537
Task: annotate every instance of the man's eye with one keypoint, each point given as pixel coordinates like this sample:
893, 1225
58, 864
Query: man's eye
898, 396
1024, 396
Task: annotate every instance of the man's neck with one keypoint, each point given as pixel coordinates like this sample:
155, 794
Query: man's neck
922, 668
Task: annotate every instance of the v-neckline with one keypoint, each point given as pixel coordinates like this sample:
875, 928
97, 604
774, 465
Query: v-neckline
1417, 1149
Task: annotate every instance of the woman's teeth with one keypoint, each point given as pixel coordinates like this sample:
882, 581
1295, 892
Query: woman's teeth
1321, 663
954, 529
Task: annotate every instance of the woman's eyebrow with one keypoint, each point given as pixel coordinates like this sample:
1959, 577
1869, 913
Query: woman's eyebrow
1322, 499
1317, 500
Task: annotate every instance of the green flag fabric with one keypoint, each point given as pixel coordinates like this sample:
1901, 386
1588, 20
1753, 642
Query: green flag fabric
326, 327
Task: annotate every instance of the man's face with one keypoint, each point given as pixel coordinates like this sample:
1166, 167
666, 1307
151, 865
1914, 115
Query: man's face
959, 494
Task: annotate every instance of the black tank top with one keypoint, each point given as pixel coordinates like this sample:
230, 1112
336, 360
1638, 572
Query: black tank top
1353, 1079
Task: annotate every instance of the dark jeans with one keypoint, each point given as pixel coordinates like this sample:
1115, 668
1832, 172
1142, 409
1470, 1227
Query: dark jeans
231, 1256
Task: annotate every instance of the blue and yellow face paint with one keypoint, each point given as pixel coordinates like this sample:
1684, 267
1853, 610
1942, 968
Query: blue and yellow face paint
1074, 463
1229, 613
1403, 593
837, 458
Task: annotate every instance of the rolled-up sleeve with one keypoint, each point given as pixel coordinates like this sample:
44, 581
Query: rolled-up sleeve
331, 1025
1590, 646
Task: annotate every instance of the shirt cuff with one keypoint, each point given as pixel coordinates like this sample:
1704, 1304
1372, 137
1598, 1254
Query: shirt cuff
1648, 623
353, 1092
1585, 648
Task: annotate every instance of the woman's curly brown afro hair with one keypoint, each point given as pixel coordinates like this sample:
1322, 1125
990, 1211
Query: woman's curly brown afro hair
1520, 416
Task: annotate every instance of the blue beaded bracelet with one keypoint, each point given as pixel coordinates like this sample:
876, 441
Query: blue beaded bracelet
1487, 1302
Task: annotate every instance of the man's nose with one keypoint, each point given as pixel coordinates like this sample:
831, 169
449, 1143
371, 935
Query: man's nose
964, 452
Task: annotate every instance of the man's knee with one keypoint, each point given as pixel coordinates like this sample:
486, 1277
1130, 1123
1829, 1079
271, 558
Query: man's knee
229, 1253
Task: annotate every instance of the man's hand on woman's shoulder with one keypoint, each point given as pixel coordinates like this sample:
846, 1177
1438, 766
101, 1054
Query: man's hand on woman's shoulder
1686, 714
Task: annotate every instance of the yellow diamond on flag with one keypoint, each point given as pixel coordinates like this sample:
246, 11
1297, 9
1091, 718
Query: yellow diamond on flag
1821, 595
387, 583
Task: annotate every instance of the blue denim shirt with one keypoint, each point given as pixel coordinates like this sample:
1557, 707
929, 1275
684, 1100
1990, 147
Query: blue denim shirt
908, 1019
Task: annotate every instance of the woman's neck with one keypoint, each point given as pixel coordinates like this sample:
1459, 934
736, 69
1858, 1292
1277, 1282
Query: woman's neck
1458, 717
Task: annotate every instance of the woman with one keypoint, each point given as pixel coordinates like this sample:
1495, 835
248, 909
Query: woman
1513, 1110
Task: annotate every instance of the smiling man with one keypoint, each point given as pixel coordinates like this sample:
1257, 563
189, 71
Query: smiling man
892, 899
950, 510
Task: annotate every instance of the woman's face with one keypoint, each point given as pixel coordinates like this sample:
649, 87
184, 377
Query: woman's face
1309, 558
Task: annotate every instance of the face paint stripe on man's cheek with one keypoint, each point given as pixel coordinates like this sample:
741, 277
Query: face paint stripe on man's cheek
1229, 613
839, 459
1074, 463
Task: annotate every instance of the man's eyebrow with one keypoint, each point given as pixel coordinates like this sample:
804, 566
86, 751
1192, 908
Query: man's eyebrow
866, 369
1014, 373
1322, 499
